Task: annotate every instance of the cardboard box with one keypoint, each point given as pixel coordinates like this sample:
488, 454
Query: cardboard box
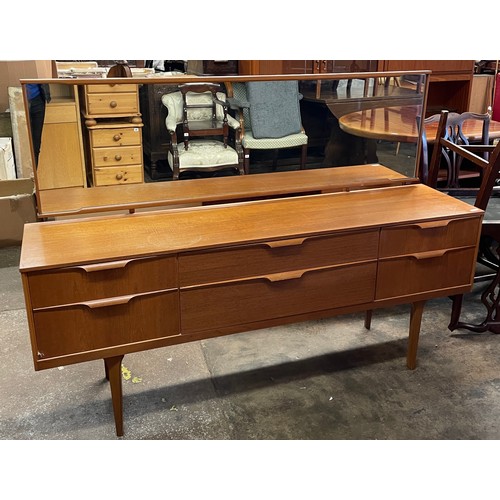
17, 207
7, 165
13, 71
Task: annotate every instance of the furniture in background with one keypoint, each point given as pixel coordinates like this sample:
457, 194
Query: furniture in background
450, 82
200, 110
455, 169
490, 235
269, 116
62, 162
481, 93
105, 287
114, 133
217, 67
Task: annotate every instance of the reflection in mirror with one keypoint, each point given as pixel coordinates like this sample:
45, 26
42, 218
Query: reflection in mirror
106, 136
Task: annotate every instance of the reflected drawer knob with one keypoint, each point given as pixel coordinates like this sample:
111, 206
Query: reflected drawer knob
116, 137
118, 157
119, 177
113, 104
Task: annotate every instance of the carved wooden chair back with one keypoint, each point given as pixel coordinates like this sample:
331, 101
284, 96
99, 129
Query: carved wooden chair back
448, 168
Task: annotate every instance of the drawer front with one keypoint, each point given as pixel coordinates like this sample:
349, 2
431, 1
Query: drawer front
114, 157
429, 236
129, 174
81, 328
111, 88
103, 280
275, 257
425, 272
244, 302
131, 136
112, 104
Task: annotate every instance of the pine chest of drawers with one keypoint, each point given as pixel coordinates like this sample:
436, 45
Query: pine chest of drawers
114, 133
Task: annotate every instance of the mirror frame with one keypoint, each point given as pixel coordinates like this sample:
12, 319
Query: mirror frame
130, 205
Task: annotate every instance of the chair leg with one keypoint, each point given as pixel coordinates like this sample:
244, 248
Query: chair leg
275, 159
246, 156
303, 157
456, 309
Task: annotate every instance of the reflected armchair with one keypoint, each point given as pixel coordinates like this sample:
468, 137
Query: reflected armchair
269, 116
200, 110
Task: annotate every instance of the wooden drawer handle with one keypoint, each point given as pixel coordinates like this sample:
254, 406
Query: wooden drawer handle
105, 266
116, 137
285, 243
119, 177
290, 275
113, 301
429, 255
118, 157
113, 104
433, 224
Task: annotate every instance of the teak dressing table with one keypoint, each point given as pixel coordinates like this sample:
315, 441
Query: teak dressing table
103, 287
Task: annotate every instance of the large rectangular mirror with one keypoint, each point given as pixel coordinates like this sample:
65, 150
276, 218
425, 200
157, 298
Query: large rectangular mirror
104, 145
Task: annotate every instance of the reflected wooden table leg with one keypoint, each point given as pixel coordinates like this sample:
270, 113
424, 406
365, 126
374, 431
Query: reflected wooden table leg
113, 368
417, 308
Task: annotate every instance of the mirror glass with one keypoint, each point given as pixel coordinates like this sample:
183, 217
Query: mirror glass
349, 118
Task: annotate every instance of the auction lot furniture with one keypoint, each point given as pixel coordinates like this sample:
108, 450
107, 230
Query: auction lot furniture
103, 287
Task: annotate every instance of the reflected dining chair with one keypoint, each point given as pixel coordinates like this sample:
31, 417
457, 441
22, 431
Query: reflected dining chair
454, 170
490, 231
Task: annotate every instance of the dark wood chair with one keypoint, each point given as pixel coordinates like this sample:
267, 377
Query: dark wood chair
490, 233
454, 169
198, 115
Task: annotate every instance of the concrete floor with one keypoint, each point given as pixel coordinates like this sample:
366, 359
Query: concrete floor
318, 380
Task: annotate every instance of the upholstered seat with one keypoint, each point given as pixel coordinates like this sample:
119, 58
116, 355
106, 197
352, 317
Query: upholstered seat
200, 110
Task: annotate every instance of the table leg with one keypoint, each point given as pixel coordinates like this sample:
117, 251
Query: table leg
113, 367
417, 308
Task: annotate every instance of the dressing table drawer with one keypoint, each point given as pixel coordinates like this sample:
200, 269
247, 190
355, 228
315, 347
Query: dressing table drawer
276, 256
274, 296
91, 326
425, 272
103, 280
428, 236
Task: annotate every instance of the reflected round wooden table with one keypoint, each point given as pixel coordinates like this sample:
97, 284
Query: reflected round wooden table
400, 124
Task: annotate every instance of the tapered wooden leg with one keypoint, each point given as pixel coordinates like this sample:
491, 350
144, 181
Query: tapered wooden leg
417, 308
113, 368
368, 319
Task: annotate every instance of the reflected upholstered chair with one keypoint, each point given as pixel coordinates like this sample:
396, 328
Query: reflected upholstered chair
198, 116
269, 116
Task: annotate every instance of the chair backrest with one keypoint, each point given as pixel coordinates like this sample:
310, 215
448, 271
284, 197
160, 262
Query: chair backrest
274, 108
270, 109
453, 132
489, 168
